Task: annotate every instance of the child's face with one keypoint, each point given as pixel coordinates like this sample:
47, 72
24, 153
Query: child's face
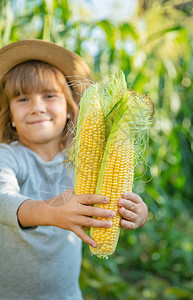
40, 116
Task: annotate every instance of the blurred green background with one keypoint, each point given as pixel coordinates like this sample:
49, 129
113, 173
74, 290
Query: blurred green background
152, 42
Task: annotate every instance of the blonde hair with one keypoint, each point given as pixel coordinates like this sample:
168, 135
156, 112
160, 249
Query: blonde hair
27, 77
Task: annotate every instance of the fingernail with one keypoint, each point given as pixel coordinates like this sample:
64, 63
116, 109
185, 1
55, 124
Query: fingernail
113, 213
106, 200
93, 244
121, 202
108, 224
123, 222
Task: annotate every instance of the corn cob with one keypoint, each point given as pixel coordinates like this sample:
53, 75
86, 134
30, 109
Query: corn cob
116, 174
104, 148
90, 144
92, 131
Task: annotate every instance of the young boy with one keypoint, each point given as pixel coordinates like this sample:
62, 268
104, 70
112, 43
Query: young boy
41, 219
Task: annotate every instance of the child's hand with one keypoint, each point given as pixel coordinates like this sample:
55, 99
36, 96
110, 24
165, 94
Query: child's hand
133, 210
74, 212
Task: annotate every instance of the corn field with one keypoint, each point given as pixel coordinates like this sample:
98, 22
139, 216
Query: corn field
154, 48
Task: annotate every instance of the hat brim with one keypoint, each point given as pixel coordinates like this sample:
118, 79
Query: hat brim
69, 63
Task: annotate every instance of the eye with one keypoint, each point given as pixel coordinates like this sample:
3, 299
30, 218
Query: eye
49, 96
22, 99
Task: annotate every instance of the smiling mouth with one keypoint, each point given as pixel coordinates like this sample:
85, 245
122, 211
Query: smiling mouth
38, 122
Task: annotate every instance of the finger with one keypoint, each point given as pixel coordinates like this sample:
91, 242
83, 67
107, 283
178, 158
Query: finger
129, 205
132, 197
128, 215
93, 211
93, 199
128, 225
93, 222
84, 237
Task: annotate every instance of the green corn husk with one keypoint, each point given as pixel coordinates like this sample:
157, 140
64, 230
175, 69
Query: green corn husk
110, 97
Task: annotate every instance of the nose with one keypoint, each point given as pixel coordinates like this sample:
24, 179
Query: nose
37, 105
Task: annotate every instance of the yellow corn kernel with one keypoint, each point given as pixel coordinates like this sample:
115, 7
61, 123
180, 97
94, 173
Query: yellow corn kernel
115, 180
91, 147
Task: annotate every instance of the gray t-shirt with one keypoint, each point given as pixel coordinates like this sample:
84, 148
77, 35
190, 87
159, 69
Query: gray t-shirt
41, 263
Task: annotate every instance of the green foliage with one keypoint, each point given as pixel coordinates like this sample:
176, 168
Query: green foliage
155, 51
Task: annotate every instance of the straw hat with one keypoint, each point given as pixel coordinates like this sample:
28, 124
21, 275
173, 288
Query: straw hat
74, 68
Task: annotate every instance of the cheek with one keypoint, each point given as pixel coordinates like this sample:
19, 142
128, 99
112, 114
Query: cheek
60, 110
18, 111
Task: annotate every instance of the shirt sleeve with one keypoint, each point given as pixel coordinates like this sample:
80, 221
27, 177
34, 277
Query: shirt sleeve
10, 196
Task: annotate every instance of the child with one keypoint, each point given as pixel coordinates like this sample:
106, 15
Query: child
41, 220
